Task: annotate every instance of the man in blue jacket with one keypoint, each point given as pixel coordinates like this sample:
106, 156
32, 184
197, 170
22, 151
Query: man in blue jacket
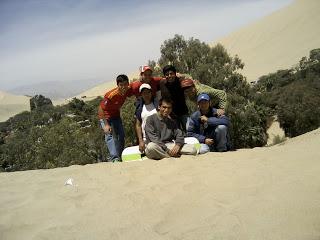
209, 128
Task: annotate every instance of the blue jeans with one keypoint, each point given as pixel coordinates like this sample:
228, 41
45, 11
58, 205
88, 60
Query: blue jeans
115, 139
220, 141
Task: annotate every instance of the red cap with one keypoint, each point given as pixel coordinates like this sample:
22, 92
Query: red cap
186, 83
144, 68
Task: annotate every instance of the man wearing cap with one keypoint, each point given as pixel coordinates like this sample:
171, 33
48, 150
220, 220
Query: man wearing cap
109, 116
208, 127
146, 107
170, 88
193, 88
146, 77
163, 137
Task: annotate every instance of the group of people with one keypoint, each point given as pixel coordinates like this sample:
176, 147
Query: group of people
167, 110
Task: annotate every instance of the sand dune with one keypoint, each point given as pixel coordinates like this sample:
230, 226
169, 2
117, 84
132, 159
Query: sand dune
12, 104
277, 41
261, 193
101, 89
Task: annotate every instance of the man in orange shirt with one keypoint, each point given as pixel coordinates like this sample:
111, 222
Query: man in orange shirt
146, 77
110, 120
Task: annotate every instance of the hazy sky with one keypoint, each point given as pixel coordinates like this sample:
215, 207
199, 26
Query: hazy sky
64, 40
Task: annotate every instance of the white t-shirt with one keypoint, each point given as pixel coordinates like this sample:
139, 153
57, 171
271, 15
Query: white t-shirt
147, 111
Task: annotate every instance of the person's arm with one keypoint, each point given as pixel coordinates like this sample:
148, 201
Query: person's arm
103, 122
178, 140
215, 121
164, 90
219, 94
192, 131
133, 89
151, 133
178, 136
157, 81
214, 93
139, 135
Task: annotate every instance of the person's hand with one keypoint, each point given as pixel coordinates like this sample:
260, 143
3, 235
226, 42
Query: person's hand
209, 141
204, 119
175, 151
107, 129
142, 146
220, 112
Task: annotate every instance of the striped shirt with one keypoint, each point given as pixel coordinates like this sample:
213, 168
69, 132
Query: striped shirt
218, 97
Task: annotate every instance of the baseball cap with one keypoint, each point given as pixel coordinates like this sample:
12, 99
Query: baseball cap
144, 85
186, 83
144, 68
203, 96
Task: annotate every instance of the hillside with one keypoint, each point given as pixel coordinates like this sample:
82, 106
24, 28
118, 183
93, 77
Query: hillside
261, 193
101, 89
277, 41
12, 104
56, 89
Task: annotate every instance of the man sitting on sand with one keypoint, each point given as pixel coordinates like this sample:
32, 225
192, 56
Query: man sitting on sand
208, 127
145, 107
109, 115
163, 137
192, 88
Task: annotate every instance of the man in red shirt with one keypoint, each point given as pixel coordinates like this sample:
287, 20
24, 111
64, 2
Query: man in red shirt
146, 77
109, 115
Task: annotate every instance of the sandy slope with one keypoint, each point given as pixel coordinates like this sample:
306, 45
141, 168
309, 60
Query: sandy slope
12, 104
262, 193
277, 41
101, 89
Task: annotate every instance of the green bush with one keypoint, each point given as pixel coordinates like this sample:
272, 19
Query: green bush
128, 120
294, 95
53, 137
216, 68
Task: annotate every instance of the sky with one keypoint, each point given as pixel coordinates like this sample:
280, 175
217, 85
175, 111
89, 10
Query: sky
68, 40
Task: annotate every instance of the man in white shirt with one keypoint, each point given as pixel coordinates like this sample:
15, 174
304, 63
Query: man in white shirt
145, 107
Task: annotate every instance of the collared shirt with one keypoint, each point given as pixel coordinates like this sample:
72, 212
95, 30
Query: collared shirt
218, 97
162, 130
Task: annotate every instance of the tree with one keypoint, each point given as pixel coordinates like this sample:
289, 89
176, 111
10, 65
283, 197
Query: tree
211, 65
294, 95
215, 67
39, 101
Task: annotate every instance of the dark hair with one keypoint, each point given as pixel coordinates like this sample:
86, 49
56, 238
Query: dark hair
122, 78
166, 100
169, 68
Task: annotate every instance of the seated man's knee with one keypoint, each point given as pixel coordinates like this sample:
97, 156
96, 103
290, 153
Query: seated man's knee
221, 128
152, 152
150, 147
204, 148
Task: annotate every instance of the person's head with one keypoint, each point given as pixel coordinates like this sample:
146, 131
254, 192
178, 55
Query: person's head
146, 92
203, 102
188, 87
165, 107
146, 74
170, 73
122, 83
